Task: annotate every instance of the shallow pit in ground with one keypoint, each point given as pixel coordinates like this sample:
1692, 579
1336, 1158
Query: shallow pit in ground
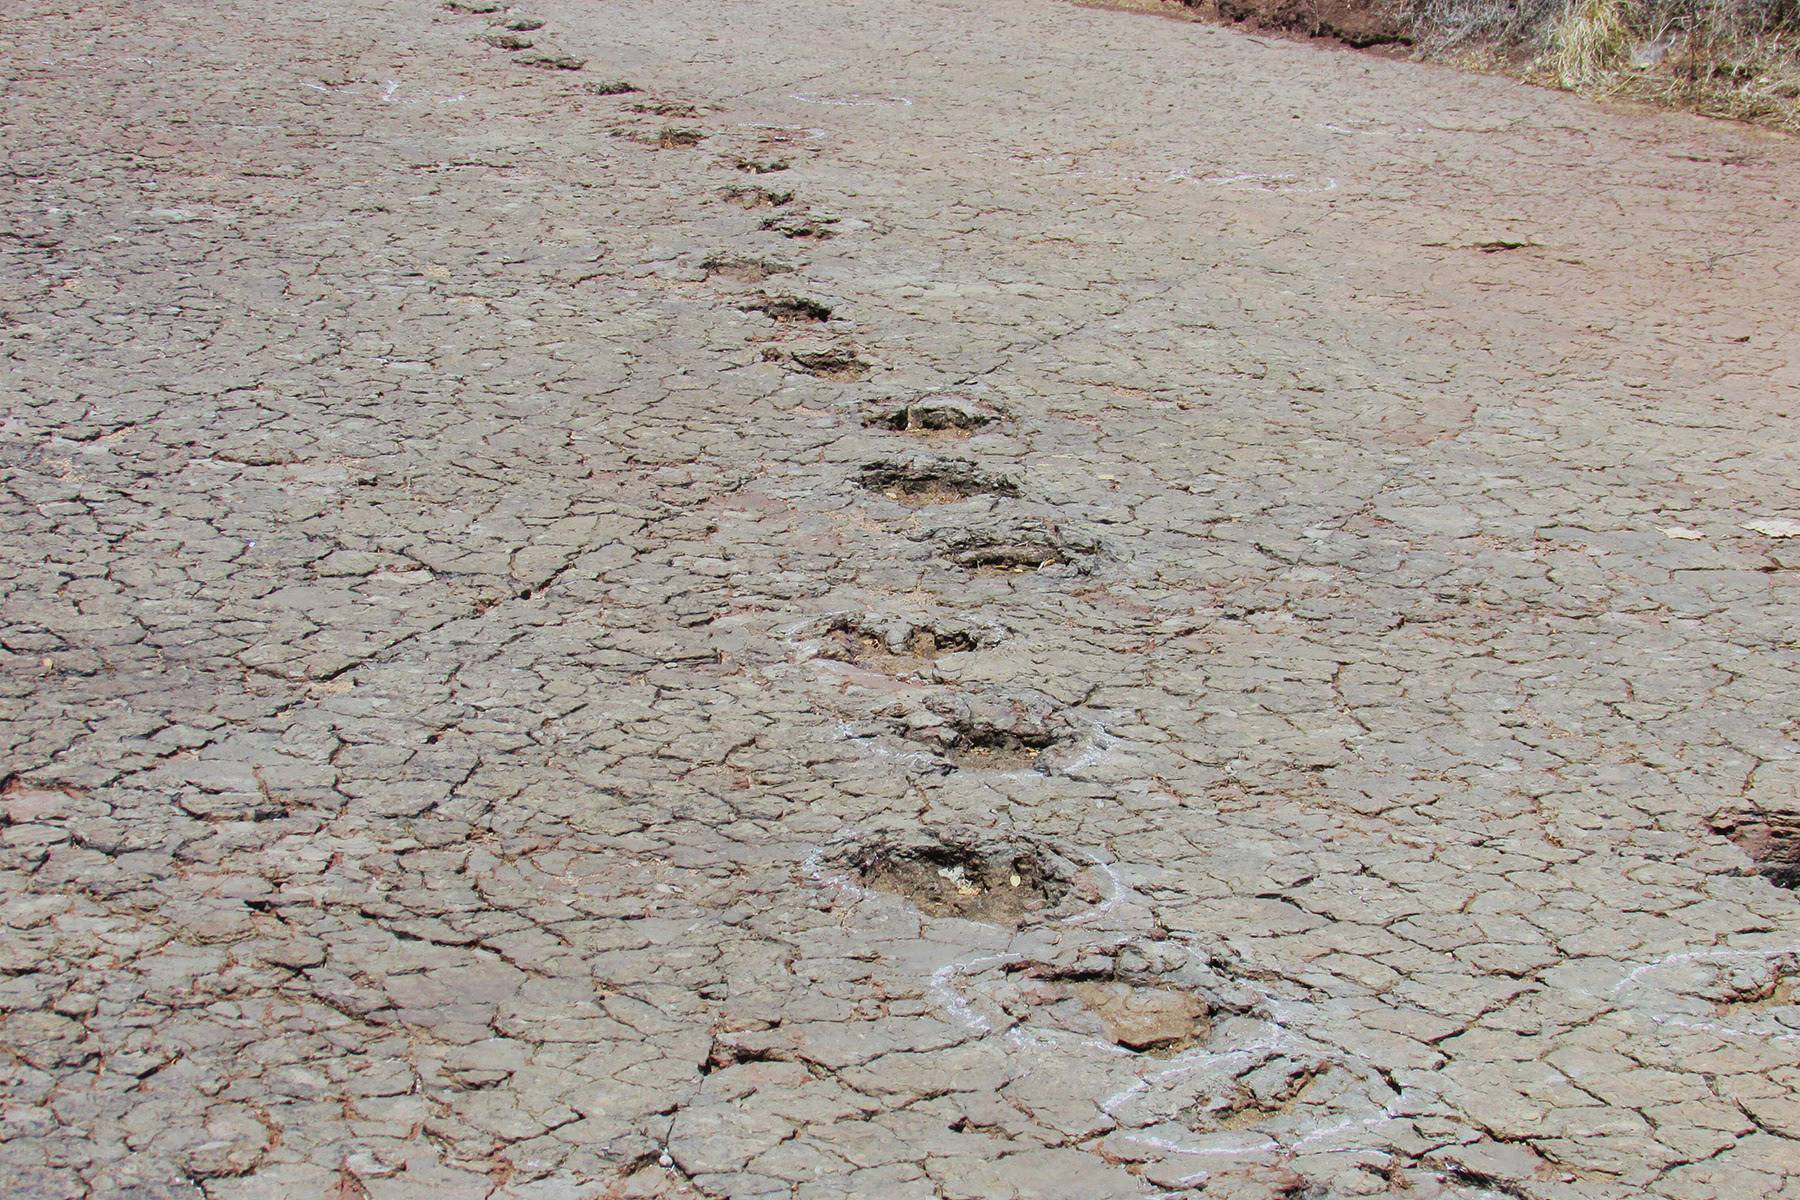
895, 645
1135, 1014
990, 730
802, 226
986, 748
1148, 996
669, 137
666, 108
975, 874
923, 484
837, 365
1771, 839
1009, 556
788, 309
742, 268
1280, 1087
1013, 548
945, 414
756, 197
1754, 985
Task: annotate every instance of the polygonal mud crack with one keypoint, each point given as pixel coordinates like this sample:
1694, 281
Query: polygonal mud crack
895, 645
970, 873
1015, 547
921, 484
1756, 985
1734, 991
1276, 1089
1771, 839
945, 414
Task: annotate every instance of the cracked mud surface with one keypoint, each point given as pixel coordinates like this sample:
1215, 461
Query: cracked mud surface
426, 772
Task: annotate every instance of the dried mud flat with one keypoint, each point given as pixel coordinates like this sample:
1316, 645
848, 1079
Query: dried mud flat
908, 600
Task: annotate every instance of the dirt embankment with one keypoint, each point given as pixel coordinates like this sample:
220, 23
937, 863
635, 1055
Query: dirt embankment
1358, 23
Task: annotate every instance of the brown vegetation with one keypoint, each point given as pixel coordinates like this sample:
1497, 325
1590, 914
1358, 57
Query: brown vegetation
1726, 58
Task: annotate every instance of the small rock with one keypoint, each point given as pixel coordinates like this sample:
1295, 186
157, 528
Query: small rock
1775, 527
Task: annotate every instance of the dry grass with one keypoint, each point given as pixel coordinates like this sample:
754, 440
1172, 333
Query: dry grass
1590, 44
1727, 58
1723, 58
1758, 81
1738, 59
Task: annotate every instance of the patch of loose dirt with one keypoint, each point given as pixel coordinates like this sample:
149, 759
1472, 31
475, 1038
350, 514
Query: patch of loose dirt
742, 268
958, 872
666, 108
985, 748
1771, 839
677, 137
894, 648
1150, 998
945, 414
789, 309
1020, 554
756, 197
802, 227
922, 484
837, 365
1143, 1017
993, 730
761, 166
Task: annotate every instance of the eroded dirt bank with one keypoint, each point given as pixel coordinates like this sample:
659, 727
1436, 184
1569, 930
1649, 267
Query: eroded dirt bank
906, 599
